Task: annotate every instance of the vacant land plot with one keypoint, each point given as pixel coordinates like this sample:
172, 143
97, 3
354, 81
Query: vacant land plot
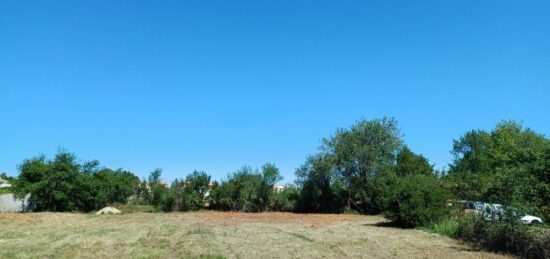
218, 235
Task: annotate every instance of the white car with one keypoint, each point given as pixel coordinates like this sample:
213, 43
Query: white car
531, 220
495, 212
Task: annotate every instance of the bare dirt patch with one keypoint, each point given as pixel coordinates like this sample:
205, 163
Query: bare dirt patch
218, 234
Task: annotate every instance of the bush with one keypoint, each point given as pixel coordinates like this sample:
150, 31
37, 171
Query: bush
64, 184
418, 200
6, 190
284, 200
321, 195
246, 190
447, 227
505, 236
167, 200
321, 191
190, 194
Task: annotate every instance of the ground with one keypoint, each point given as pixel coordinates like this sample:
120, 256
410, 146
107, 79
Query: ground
218, 235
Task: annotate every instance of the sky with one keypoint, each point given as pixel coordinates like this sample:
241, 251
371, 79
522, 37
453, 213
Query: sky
216, 85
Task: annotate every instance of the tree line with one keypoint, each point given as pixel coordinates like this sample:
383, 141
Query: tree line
366, 168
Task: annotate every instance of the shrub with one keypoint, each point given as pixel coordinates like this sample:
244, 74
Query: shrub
320, 194
320, 188
246, 190
167, 200
64, 184
284, 200
190, 193
505, 236
6, 190
418, 200
447, 227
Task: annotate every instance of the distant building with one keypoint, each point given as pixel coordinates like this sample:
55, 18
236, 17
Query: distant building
279, 188
4, 183
10, 203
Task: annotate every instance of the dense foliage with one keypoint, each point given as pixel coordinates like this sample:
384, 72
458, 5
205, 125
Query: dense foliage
64, 184
368, 169
505, 236
246, 190
284, 200
509, 165
190, 194
5, 176
410, 163
417, 200
320, 189
348, 170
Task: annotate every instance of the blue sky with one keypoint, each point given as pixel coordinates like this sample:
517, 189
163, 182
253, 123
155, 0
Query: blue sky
215, 85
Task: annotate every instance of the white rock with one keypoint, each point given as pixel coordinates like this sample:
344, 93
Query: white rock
108, 210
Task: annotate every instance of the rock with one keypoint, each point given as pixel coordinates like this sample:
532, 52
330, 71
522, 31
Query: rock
108, 210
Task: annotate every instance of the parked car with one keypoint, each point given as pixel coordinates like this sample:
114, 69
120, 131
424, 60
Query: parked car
468, 206
531, 220
495, 211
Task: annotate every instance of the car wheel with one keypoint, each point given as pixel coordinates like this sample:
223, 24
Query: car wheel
535, 223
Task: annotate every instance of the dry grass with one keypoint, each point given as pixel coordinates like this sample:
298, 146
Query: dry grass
218, 235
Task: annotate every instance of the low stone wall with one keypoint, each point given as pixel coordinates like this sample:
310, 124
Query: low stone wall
9, 203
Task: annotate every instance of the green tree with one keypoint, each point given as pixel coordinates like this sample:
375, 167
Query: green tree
410, 163
357, 160
158, 190
52, 184
190, 193
246, 190
320, 189
285, 200
472, 152
4, 175
63, 184
418, 200
116, 186
469, 185
508, 165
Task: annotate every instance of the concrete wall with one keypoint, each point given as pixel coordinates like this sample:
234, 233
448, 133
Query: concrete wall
8, 203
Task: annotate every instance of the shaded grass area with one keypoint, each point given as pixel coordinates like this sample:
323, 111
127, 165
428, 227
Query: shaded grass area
216, 235
446, 227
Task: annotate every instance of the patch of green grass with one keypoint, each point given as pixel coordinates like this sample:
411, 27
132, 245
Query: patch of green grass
6, 190
12, 234
446, 227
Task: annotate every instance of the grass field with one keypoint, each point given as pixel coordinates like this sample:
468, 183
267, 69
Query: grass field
218, 235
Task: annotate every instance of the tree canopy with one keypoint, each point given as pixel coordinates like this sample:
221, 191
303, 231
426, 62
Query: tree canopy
509, 165
64, 184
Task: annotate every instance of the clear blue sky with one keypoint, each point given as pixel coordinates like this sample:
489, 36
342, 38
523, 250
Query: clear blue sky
215, 85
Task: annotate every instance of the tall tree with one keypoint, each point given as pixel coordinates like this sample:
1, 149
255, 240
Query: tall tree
512, 164
190, 193
358, 157
246, 189
64, 184
321, 190
409, 163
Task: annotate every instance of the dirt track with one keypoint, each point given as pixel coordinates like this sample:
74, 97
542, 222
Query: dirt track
219, 234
